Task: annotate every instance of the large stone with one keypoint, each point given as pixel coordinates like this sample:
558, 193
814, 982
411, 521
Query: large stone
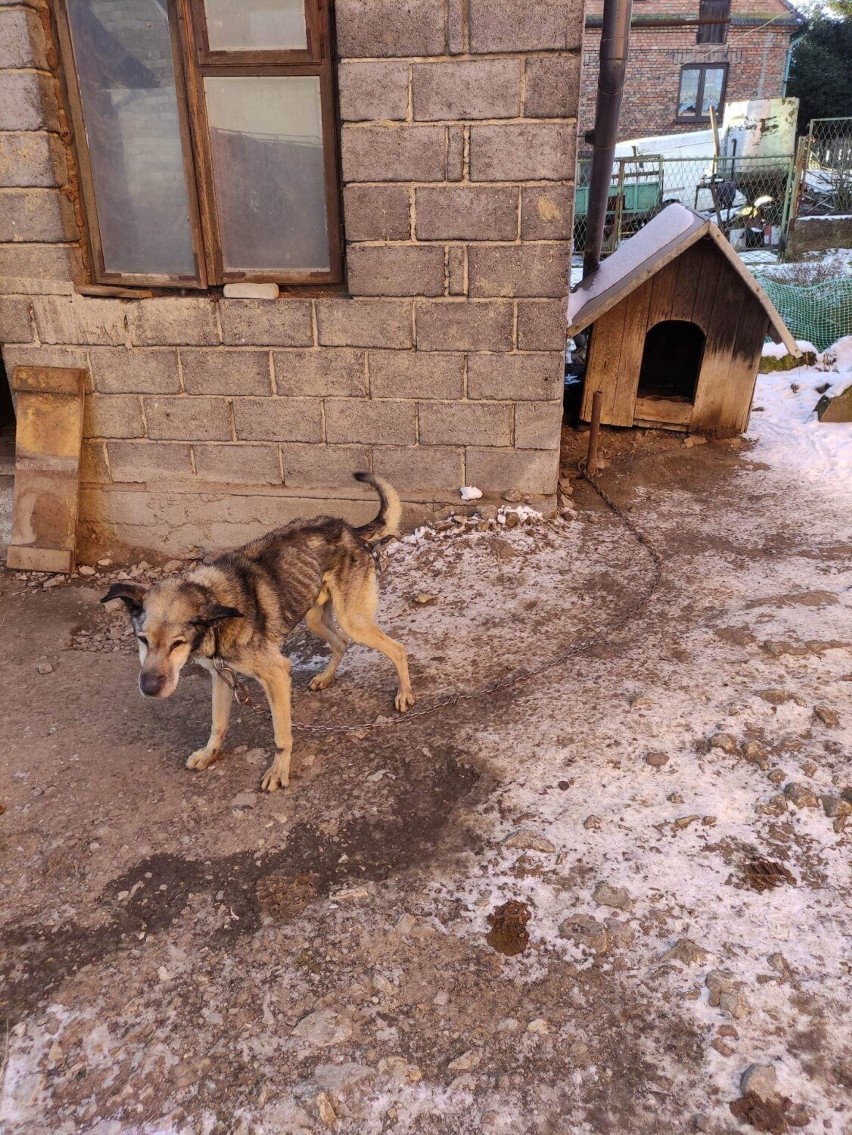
585, 931
836, 409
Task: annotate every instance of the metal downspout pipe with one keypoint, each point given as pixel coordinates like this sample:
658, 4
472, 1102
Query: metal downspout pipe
615, 43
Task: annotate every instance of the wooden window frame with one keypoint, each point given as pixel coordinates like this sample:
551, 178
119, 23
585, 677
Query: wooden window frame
702, 68
194, 61
716, 17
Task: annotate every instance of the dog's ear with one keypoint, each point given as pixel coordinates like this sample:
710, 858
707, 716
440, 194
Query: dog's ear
132, 595
215, 613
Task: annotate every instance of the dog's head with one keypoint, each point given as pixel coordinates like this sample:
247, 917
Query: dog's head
170, 621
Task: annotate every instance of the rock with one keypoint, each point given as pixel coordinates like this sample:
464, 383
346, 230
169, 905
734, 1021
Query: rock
85, 570
760, 1079
513, 496
685, 821
592, 823
508, 1025
172, 566
641, 703
325, 1108
399, 1070
801, 796
777, 776
780, 964
755, 753
836, 409
585, 931
424, 599
827, 716
538, 1027
620, 933
835, 806
775, 806
463, 1083
726, 992
656, 760
105, 563
797, 1115
526, 839
323, 1028
44, 668
724, 741
466, 1062
686, 951
250, 291
244, 800
721, 1046
405, 924
605, 895
336, 1078
779, 697
163, 974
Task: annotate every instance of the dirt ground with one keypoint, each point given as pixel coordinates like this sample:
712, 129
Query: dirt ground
667, 810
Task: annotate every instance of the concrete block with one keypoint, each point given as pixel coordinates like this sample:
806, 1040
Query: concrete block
420, 468
134, 370
61, 357
30, 158
22, 42
79, 320
547, 212
350, 420
322, 466
15, 322
542, 325
457, 271
27, 101
390, 27
238, 464
38, 216
188, 418
321, 372
390, 271
465, 423
455, 153
373, 92
220, 371
249, 291
93, 463
519, 270
457, 24
521, 377
471, 212
173, 321
505, 25
409, 374
132, 462
462, 89
538, 425
284, 323
278, 419
394, 153
552, 88
38, 269
113, 416
532, 471
464, 326
529, 151
364, 323
376, 212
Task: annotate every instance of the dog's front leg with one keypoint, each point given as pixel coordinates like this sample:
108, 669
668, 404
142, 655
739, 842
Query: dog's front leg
222, 700
275, 679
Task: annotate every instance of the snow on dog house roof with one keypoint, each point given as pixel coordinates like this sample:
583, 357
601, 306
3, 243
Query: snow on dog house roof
663, 239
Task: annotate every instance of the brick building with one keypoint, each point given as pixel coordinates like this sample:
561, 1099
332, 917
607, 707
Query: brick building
402, 168
679, 66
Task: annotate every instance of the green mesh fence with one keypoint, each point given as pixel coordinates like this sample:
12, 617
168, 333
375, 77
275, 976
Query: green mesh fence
820, 313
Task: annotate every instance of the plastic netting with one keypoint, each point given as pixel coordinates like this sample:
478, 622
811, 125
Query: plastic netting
820, 313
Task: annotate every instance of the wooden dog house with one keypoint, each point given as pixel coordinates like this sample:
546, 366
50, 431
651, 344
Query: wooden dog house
677, 328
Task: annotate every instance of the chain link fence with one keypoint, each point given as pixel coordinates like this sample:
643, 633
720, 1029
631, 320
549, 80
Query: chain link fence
824, 169
748, 197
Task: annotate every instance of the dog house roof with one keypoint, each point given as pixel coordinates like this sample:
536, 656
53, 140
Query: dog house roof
665, 237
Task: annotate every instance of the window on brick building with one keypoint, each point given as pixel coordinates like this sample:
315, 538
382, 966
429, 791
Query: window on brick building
716, 10
206, 137
702, 85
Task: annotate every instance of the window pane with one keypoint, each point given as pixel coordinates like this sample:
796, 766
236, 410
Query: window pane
127, 90
688, 101
243, 25
714, 80
268, 171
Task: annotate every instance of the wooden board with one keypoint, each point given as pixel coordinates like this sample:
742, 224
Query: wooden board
49, 410
663, 411
720, 395
603, 365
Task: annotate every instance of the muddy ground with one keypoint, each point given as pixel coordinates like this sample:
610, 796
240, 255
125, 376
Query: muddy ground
181, 954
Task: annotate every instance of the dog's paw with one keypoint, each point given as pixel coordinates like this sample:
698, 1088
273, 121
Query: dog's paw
273, 779
321, 682
404, 700
202, 758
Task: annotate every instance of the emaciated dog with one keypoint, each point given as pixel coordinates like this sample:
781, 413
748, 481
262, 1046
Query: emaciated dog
236, 612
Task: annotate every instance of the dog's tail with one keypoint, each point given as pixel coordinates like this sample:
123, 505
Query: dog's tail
390, 512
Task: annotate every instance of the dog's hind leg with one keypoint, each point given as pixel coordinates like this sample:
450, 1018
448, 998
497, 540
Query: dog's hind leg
356, 613
319, 622
222, 701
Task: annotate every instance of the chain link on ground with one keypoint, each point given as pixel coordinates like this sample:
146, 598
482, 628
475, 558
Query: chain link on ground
509, 681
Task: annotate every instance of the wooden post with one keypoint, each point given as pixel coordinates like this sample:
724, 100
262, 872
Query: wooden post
594, 434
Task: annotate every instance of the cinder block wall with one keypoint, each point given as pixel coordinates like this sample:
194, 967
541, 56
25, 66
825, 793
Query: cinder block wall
756, 56
209, 420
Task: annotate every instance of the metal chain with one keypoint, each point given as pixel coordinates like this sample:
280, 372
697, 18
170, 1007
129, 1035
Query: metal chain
243, 697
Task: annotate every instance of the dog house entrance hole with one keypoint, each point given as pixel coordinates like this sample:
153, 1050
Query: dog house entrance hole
671, 361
